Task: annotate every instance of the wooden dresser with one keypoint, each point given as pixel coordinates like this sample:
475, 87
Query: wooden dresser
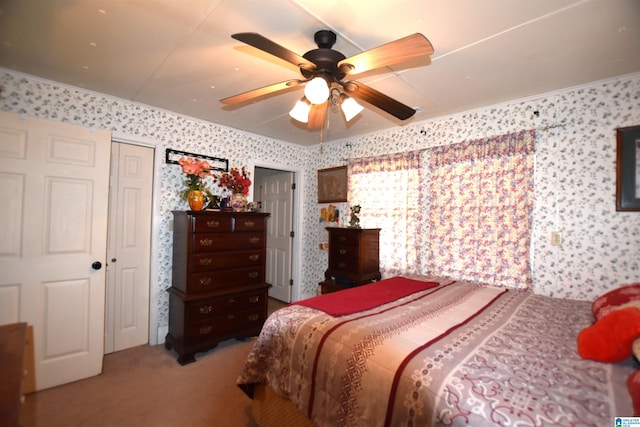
353, 258
218, 282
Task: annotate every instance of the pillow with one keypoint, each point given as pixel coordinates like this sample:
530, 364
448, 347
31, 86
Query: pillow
622, 297
611, 338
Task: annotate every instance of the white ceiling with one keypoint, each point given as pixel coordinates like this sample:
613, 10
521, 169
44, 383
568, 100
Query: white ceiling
179, 54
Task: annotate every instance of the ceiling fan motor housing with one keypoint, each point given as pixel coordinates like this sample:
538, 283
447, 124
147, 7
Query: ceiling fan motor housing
325, 58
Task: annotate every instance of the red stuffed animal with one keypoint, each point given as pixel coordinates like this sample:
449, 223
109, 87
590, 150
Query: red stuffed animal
617, 326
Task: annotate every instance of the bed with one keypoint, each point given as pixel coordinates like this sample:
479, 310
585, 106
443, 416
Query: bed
431, 353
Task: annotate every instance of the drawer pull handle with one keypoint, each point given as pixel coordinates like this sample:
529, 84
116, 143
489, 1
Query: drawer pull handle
342, 251
253, 317
252, 274
205, 330
206, 242
342, 264
249, 223
206, 309
213, 224
231, 300
254, 239
231, 317
343, 238
205, 261
254, 299
205, 281
254, 257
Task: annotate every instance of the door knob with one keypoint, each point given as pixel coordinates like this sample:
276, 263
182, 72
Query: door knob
96, 265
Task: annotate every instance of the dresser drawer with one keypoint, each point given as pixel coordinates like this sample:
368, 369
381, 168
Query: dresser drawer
199, 282
209, 242
223, 325
215, 261
213, 307
249, 224
210, 224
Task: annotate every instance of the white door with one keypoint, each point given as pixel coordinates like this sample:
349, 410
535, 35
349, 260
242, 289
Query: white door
54, 187
129, 247
277, 199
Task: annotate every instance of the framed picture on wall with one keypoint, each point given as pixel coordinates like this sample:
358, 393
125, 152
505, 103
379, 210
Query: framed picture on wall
628, 169
332, 185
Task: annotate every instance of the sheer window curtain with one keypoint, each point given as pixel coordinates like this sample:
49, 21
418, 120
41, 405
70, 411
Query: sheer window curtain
388, 188
480, 210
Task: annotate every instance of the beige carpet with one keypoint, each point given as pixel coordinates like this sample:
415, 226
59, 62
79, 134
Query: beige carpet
145, 386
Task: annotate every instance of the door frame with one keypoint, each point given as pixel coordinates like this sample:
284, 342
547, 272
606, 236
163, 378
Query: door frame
155, 336
298, 208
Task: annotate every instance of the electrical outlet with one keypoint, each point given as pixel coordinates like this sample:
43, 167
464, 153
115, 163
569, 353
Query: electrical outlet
556, 238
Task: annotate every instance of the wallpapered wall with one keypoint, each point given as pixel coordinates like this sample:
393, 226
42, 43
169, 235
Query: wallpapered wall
575, 170
575, 178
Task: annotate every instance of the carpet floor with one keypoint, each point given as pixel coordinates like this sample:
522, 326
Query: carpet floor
145, 386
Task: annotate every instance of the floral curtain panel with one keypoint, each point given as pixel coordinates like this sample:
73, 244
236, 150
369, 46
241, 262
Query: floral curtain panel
480, 209
388, 189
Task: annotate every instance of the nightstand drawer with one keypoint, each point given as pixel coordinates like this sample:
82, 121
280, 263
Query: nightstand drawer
343, 237
344, 252
341, 264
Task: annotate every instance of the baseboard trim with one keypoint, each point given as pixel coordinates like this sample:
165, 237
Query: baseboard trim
162, 333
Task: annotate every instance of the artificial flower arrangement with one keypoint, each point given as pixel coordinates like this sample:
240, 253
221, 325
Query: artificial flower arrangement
196, 170
236, 181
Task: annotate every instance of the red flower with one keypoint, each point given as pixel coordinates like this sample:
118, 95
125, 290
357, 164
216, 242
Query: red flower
236, 180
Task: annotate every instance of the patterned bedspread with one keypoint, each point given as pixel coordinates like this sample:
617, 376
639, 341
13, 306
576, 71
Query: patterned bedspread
457, 354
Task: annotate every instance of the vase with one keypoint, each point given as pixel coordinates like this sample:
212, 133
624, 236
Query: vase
238, 202
196, 200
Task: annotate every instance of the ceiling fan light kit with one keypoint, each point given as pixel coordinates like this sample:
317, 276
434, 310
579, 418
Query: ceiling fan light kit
317, 90
350, 107
300, 111
324, 69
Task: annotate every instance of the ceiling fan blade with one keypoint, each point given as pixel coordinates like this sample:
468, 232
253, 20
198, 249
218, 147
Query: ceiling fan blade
260, 42
379, 99
317, 115
401, 50
255, 93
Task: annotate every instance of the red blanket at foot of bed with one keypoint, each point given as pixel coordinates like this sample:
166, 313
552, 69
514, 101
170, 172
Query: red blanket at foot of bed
361, 298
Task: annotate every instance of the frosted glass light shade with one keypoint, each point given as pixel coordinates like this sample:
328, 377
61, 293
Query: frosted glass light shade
300, 111
317, 90
351, 108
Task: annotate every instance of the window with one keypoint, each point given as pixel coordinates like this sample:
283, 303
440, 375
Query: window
467, 215
480, 205
388, 189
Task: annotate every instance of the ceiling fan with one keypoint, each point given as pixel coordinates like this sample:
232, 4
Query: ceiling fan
324, 71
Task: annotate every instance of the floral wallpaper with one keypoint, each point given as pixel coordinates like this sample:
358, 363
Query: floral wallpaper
574, 171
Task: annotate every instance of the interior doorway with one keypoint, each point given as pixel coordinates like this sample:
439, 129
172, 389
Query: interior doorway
274, 189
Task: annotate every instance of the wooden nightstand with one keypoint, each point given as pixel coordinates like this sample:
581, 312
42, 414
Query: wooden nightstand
353, 258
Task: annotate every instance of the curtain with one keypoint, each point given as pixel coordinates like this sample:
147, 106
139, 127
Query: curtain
388, 189
480, 210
